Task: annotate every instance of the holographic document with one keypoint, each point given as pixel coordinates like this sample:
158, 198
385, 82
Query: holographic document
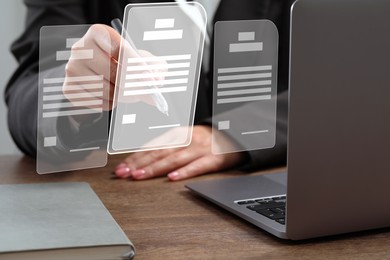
157, 80
245, 85
72, 128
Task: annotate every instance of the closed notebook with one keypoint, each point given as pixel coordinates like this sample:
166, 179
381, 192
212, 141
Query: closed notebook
58, 221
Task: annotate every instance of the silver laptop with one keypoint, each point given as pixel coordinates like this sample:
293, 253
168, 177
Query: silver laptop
338, 162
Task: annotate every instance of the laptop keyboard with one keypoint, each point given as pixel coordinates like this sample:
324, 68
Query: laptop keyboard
271, 207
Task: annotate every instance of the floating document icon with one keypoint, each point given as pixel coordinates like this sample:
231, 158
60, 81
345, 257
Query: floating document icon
157, 82
245, 85
72, 127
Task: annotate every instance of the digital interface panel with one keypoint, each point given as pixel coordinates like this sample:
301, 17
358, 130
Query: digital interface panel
245, 85
72, 128
157, 80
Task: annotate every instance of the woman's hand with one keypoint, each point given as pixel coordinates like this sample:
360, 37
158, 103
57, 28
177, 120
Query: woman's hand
105, 43
180, 163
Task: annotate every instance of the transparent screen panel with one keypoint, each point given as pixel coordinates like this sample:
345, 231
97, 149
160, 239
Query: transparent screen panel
245, 85
157, 80
73, 91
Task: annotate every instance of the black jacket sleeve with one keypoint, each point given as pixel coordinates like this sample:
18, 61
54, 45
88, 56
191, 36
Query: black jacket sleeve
21, 94
278, 11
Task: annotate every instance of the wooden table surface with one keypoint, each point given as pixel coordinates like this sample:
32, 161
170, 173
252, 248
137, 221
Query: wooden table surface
165, 221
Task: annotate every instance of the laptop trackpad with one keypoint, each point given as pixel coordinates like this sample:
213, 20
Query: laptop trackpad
241, 188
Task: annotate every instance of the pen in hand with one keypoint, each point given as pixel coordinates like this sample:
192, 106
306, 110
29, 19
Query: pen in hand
158, 98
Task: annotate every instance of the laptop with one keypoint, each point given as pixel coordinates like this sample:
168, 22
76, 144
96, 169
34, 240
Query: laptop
338, 153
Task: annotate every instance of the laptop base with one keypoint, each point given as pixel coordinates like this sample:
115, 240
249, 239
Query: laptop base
227, 192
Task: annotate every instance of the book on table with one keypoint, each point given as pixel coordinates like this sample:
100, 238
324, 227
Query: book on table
58, 221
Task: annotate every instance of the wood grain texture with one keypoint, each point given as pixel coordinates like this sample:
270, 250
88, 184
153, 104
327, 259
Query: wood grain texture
165, 221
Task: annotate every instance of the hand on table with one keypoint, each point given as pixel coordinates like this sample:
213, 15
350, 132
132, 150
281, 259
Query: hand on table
179, 163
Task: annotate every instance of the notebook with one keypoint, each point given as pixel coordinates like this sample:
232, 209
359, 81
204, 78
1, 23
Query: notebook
58, 221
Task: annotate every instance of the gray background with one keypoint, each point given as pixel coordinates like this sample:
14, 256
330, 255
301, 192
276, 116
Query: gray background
12, 17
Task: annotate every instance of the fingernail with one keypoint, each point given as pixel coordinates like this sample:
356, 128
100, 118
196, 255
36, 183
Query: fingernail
123, 172
121, 165
173, 175
138, 174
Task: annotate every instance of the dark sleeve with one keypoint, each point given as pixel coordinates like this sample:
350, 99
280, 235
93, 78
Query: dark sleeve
277, 155
277, 11
21, 94
261, 158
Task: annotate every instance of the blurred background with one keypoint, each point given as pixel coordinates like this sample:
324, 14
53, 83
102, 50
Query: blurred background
12, 18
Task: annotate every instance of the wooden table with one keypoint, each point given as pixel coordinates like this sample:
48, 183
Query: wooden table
165, 221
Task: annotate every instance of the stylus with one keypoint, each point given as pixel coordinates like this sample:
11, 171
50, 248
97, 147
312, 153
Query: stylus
158, 98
